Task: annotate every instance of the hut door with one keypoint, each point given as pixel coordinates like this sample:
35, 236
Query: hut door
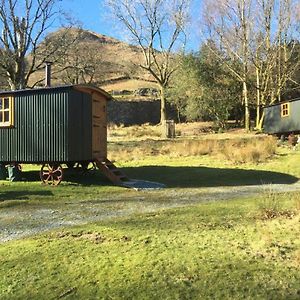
99, 127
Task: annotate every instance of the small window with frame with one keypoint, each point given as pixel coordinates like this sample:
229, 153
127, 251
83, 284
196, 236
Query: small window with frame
6, 111
285, 109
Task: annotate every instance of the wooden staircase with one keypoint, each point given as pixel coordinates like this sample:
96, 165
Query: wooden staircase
115, 175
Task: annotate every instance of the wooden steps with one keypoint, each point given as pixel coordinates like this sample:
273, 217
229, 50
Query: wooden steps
115, 175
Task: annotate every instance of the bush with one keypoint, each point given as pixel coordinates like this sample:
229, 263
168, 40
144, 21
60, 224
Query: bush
270, 206
249, 151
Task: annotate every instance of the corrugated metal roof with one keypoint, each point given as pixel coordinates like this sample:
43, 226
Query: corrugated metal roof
82, 87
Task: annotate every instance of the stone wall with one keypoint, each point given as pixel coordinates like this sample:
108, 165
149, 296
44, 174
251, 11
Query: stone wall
134, 112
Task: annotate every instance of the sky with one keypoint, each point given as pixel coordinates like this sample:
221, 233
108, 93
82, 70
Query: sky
93, 15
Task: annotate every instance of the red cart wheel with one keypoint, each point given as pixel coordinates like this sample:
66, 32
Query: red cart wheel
51, 174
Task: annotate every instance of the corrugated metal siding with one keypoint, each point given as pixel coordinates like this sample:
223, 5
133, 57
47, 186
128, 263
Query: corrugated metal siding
274, 123
80, 126
40, 131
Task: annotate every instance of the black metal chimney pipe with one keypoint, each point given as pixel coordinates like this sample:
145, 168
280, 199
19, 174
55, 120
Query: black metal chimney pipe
48, 74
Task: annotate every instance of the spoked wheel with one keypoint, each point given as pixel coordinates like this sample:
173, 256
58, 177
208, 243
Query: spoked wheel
51, 174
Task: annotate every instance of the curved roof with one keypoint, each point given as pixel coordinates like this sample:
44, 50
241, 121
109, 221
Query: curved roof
91, 89
80, 87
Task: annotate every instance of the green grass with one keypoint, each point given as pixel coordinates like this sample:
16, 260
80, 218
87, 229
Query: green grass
241, 248
220, 250
177, 173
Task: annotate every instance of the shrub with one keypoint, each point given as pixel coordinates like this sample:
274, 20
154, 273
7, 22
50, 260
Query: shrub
270, 206
249, 151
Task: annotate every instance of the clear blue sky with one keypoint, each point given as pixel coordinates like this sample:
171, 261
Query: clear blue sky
94, 16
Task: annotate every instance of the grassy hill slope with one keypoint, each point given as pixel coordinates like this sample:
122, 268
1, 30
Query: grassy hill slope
115, 62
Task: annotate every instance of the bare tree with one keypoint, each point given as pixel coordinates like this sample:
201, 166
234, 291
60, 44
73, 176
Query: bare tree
24, 24
82, 64
275, 55
158, 28
229, 22
77, 60
258, 39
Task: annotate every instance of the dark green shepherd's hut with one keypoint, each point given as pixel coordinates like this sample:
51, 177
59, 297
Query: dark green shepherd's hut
55, 126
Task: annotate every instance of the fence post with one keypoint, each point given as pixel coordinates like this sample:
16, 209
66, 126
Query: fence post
169, 129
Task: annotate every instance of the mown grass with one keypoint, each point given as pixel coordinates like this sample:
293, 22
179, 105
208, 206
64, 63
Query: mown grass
221, 250
180, 173
245, 248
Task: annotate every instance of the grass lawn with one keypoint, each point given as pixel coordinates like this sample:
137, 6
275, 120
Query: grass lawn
240, 248
220, 250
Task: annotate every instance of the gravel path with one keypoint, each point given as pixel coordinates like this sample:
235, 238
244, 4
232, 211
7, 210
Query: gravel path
15, 222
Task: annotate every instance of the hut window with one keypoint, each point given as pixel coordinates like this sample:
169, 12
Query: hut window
6, 111
285, 110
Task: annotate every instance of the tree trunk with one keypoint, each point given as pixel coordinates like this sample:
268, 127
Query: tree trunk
17, 78
12, 85
257, 99
261, 121
163, 111
246, 103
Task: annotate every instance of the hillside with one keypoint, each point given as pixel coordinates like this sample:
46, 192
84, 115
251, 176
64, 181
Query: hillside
113, 63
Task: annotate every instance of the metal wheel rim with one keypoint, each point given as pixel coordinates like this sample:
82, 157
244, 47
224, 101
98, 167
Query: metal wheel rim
51, 174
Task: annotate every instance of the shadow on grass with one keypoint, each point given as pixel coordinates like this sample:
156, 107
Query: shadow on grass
179, 177
189, 177
71, 177
22, 195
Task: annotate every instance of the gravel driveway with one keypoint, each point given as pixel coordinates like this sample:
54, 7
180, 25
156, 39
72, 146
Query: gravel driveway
15, 222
